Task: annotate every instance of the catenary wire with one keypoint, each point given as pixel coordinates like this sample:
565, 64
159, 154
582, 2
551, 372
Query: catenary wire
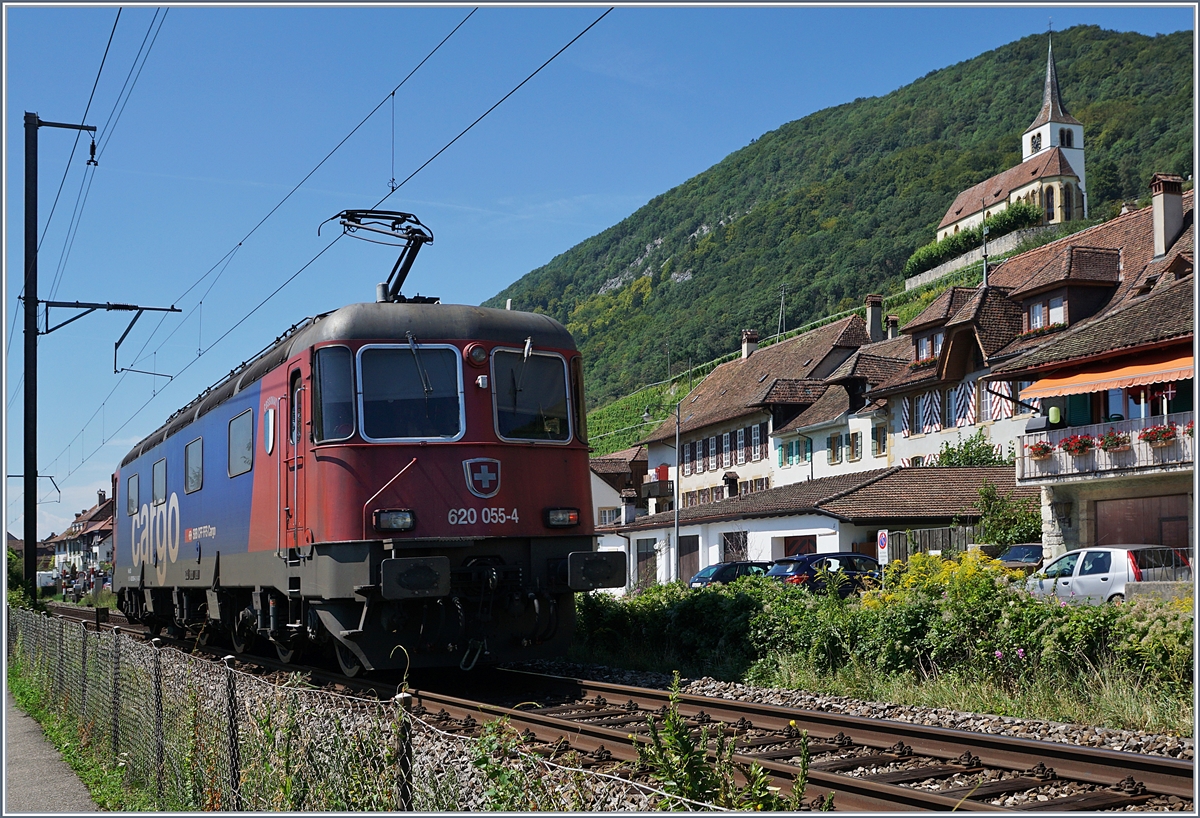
85, 458
132, 66
108, 134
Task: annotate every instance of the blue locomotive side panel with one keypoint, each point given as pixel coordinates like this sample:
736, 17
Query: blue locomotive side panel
183, 514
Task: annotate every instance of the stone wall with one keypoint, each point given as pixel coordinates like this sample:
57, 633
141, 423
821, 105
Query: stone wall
995, 247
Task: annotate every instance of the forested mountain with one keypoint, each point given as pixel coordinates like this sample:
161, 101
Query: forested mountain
833, 204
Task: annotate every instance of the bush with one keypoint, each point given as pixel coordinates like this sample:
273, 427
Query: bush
1014, 217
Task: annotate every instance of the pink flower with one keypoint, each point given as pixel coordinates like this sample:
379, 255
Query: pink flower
999, 655
1020, 653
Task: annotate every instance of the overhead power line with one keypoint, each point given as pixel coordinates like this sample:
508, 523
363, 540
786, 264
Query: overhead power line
86, 457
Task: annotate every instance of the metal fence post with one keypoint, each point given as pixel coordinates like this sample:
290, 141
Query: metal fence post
60, 672
158, 716
235, 761
83, 674
116, 692
404, 760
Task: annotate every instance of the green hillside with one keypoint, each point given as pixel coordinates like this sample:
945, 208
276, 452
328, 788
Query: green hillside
833, 204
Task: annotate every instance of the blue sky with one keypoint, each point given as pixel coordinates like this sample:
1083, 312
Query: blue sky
234, 106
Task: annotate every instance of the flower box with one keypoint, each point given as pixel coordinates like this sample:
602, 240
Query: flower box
1077, 445
1113, 441
1160, 435
1040, 450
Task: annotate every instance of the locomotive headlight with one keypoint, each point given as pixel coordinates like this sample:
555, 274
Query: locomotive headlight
400, 519
562, 517
477, 354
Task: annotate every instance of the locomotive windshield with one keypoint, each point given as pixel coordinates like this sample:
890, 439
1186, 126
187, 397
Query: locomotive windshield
333, 404
410, 392
531, 396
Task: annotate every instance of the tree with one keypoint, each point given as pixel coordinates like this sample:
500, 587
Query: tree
1005, 520
976, 450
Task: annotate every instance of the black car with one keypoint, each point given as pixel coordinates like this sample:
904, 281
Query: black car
805, 571
1024, 557
728, 572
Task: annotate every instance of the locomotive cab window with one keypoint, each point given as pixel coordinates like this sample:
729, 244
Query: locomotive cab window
333, 403
410, 392
132, 499
193, 466
531, 396
241, 443
158, 490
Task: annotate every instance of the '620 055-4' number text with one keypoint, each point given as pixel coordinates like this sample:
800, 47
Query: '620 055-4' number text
488, 516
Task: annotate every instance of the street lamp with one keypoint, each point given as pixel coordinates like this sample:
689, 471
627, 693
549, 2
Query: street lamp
678, 473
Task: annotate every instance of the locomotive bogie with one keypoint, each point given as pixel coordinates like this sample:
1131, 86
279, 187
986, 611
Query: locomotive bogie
404, 484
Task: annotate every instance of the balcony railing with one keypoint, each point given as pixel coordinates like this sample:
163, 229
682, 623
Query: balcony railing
1141, 455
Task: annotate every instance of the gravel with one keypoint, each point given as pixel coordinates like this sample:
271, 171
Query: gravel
1131, 741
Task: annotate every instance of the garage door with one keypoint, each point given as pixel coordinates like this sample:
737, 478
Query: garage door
1151, 520
689, 556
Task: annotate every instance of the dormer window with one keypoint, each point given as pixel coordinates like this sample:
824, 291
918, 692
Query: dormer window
930, 346
1047, 312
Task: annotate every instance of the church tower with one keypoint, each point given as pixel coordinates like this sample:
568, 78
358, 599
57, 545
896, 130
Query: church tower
1055, 128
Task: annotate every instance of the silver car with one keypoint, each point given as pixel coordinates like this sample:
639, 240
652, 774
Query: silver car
1099, 575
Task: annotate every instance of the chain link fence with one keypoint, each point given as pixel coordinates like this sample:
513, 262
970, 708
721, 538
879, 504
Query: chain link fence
193, 734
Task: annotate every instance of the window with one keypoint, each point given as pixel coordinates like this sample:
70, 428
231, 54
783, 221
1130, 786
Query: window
241, 443
762, 483
917, 461
193, 466
1049, 204
705, 496
530, 394
856, 445
1035, 143
879, 439
158, 483
755, 442
808, 450
1037, 316
1096, 562
687, 458
333, 401
718, 493
609, 516
726, 455
834, 445
712, 453
1057, 313
133, 500
699, 457
741, 446
1062, 567
925, 348
938, 337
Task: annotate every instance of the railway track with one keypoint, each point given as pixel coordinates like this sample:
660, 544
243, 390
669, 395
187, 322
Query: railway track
869, 764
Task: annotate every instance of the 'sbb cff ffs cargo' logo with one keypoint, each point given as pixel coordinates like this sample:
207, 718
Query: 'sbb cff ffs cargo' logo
483, 476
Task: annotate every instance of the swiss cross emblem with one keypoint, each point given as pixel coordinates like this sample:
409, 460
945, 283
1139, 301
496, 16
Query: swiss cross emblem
483, 476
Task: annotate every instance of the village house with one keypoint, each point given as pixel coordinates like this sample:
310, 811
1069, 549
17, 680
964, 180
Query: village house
88, 541
1114, 456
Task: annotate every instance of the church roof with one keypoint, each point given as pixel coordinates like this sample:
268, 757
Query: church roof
997, 189
1052, 107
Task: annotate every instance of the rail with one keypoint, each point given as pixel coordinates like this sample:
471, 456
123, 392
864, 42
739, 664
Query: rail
1134, 456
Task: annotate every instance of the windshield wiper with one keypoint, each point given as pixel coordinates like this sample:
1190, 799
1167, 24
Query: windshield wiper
412, 345
521, 373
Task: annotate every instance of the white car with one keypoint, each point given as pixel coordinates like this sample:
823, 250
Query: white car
1099, 575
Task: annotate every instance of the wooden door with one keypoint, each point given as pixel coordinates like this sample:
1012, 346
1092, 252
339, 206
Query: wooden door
689, 556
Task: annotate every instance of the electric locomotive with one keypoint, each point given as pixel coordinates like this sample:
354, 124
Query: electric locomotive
402, 484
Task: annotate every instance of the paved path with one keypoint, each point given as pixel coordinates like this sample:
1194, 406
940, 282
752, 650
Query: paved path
38, 780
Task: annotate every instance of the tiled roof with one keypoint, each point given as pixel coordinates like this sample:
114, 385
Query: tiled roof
1163, 315
996, 318
791, 499
792, 391
735, 387
831, 406
940, 310
619, 462
925, 493
877, 362
1075, 264
1052, 107
996, 190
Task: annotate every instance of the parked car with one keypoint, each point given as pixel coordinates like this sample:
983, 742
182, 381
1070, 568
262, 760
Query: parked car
728, 572
1099, 575
1025, 557
805, 571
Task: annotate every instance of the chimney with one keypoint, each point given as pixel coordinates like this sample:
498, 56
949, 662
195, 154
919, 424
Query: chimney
749, 342
101, 495
875, 317
1167, 210
893, 325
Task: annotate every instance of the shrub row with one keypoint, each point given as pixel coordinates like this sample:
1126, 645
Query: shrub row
1014, 217
932, 615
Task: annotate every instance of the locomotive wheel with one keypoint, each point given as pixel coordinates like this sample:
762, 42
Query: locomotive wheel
347, 661
286, 655
242, 635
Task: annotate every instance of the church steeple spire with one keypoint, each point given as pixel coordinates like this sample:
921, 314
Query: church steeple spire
1052, 107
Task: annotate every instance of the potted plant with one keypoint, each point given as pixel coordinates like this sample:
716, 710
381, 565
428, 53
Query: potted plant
1190, 428
1113, 441
1162, 434
1077, 445
1040, 449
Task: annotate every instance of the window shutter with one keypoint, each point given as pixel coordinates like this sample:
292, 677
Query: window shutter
807, 449
781, 447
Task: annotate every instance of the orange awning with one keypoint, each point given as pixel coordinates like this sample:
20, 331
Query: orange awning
1158, 368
